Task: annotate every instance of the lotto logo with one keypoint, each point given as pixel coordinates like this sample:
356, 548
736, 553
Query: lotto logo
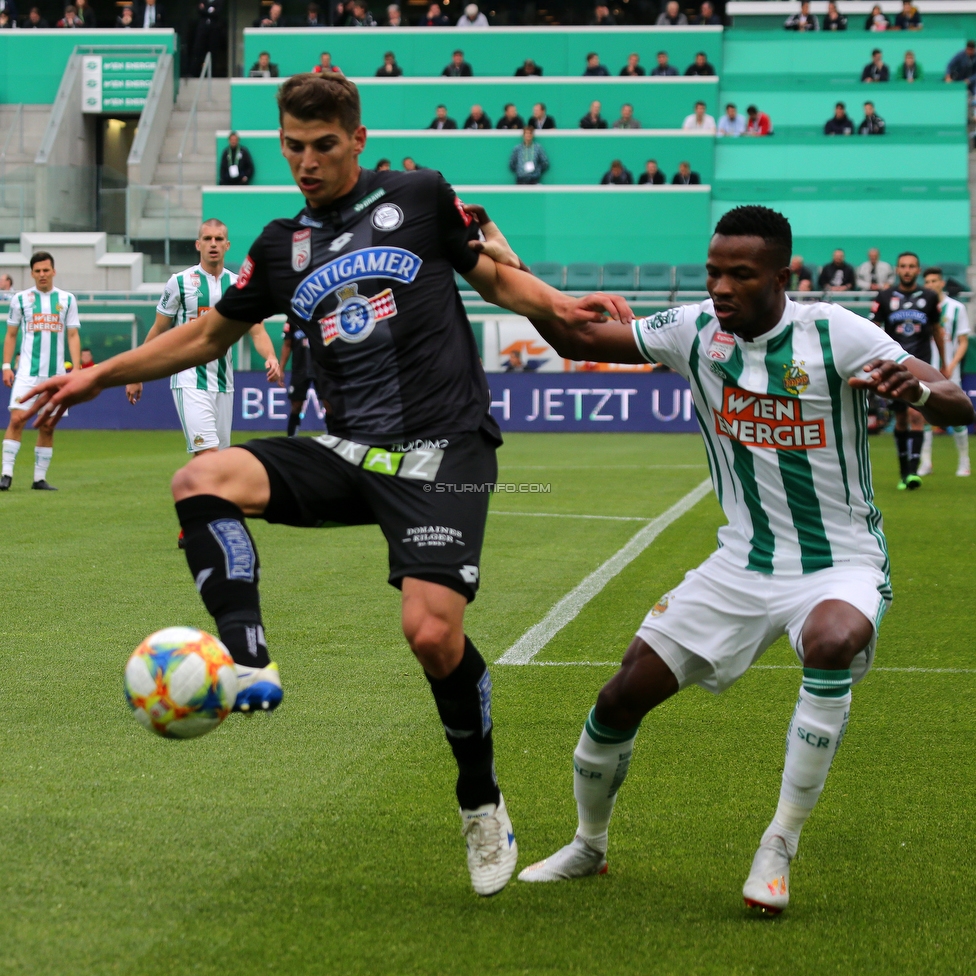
765, 420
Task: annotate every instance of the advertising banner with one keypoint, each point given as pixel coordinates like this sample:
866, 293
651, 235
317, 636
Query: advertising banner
116, 82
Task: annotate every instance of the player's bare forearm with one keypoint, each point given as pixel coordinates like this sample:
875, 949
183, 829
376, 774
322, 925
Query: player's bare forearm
598, 342
265, 347
285, 352
947, 405
9, 345
938, 336
517, 290
74, 348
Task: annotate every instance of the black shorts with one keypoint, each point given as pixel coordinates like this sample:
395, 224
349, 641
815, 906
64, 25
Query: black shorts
430, 501
298, 387
900, 406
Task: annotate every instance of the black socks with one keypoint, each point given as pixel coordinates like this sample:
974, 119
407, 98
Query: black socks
464, 704
909, 443
294, 419
225, 567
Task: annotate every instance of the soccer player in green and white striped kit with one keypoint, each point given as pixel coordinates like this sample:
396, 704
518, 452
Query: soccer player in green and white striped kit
204, 395
47, 316
780, 391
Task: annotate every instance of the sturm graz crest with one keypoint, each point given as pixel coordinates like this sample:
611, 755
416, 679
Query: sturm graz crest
355, 317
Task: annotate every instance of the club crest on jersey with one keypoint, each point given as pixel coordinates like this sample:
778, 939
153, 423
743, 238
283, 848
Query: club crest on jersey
367, 262
355, 317
894, 303
721, 347
795, 378
661, 605
387, 217
301, 249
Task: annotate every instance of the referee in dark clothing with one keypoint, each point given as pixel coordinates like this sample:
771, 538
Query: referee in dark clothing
367, 268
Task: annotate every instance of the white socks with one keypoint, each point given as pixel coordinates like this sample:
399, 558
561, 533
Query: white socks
815, 732
961, 437
42, 461
925, 457
599, 767
10, 449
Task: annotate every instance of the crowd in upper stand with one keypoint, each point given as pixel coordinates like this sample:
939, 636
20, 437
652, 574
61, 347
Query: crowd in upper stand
908, 20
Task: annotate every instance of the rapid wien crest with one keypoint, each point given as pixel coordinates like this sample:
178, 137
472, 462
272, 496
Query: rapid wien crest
355, 317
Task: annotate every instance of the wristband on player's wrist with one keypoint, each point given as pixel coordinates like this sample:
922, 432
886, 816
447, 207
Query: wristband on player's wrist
923, 396
7, 366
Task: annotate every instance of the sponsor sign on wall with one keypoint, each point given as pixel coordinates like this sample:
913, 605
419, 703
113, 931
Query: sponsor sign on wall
116, 82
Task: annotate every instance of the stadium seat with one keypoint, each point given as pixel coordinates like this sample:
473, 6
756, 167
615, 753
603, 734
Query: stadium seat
462, 285
954, 269
582, 277
549, 272
690, 277
618, 276
654, 277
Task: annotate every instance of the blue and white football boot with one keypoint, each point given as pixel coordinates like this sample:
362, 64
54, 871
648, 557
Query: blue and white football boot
492, 851
258, 689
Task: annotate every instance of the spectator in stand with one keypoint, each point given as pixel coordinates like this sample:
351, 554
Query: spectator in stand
528, 160
707, 16
5, 21
273, 19
834, 20
528, 69
873, 124
477, 119
441, 121
632, 69
472, 17
652, 176
263, 67
312, 16
36, 22
617, 175
236, 165
838, 275
840, 124
150, 15
802, 21
124, 21
663, 69
876, 20
699, 120
393, 16
510, 118
700, 67
389, 68
627, 120
602, 17
361, 17
325, 65
458, 68
876, 70
383, 166
594, 69
409, 166
539, 118
909, 18
6, 282
434, 17
593, 119
801, 277
731, 124
672, 16
910, 70
759, 123
9, 7
87, 359
685, 176
514, 363
875, 274
962, 67
70, 18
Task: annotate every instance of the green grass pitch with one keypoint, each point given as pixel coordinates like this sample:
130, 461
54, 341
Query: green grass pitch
324, 838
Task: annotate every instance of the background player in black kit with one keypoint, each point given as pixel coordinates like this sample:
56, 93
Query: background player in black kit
367, 271
295, 346
910, 314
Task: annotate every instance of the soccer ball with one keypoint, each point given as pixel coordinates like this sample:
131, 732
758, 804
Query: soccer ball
180, 682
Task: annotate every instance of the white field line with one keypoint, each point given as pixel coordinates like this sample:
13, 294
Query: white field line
755, 667
598, 467
605, 518
537, 636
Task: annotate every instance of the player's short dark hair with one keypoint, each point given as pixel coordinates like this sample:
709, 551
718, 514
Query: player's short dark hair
755, 221
325, 98
211, 222
907, 254
933, 271
38, 256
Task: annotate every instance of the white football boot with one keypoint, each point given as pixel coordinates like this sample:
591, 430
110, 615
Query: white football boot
768, 885
963, 470
492, 851
576, 860
258, 689
925, 467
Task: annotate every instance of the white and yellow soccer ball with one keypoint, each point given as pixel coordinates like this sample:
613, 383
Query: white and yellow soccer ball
180, 683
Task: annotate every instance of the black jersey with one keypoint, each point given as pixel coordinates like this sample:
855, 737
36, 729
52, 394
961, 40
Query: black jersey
370, 281
299, 349
908, 316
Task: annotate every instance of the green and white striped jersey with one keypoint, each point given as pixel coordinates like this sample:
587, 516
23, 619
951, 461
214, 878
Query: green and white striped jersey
955, 323
786, 437
43, 319
187, 296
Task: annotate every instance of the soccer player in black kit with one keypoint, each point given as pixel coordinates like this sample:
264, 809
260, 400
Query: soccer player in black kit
910, 314
366, 270
295, 345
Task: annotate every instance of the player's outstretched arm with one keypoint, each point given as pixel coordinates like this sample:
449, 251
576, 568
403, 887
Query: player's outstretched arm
265, 347
194, 344
945, 405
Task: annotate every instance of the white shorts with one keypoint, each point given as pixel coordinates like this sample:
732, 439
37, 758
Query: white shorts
720, 619
22, 385
206, 418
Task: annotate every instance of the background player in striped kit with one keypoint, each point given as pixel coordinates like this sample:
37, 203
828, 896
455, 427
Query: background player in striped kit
204, 395
47, 316
955, 329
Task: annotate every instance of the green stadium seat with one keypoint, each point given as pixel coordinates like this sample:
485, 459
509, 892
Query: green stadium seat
690, 277
654, 277
954, 269
462, 285
618, 276
582, 276
548, 271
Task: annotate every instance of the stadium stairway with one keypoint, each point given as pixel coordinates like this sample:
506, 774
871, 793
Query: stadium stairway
17, 165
